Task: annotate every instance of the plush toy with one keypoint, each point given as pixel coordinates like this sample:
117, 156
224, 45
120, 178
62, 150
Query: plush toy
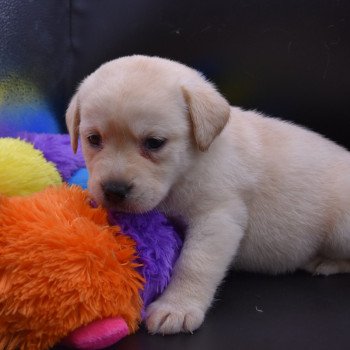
71, 272
24, 107
56, 149
23, 169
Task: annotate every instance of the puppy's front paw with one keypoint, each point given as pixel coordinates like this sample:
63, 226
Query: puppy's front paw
168, 318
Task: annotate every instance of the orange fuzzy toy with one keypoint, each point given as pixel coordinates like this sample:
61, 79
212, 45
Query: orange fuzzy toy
61, 266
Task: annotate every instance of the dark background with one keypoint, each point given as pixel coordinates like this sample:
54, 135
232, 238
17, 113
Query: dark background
287, 58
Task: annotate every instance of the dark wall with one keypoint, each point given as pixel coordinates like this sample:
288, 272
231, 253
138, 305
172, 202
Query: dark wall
34, 42
286, 58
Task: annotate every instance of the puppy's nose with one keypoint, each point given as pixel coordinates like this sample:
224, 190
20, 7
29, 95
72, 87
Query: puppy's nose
116, 191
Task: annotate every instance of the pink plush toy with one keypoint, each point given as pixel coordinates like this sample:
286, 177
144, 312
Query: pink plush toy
97, 335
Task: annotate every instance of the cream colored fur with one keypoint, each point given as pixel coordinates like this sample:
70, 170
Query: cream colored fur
258, 193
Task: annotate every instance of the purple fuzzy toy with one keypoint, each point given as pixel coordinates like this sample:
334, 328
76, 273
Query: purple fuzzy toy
158, 246
56, 149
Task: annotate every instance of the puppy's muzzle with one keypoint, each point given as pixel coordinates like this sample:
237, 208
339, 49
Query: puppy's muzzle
116, 191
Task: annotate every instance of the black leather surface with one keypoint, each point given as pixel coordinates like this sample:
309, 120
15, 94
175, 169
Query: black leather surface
254, 311
34, 44
288, 58
264, 312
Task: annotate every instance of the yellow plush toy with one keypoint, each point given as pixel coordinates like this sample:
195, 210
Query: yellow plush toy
18, 176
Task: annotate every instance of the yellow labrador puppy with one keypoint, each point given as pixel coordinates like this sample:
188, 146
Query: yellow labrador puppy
257, 192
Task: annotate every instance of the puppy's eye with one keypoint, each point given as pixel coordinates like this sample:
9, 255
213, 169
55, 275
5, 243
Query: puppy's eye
154, 143
95, 140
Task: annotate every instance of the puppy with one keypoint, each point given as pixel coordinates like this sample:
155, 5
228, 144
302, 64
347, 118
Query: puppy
259, 193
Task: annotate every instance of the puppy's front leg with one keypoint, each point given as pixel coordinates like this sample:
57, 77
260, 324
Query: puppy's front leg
210, 245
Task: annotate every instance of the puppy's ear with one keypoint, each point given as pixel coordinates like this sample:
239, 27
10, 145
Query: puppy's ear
209, 112
73, 121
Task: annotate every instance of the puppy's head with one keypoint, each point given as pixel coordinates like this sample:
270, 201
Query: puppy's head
142, 121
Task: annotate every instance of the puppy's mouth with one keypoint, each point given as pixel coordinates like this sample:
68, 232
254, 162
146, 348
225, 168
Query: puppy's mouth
125, 198
134, 205
126, 207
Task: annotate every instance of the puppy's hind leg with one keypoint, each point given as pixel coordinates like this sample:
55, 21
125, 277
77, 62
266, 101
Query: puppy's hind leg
335, 255
324, 266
